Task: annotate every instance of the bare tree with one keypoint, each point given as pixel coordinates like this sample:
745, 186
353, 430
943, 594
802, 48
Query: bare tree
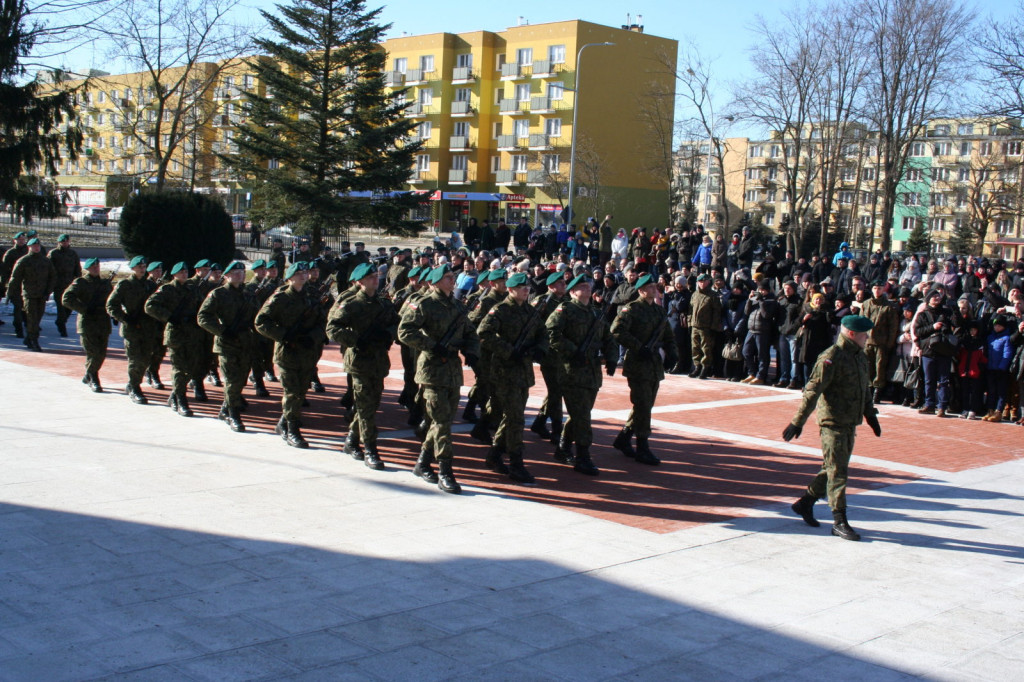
589, 173
989, 190
688, 171
918, 63
1000, 50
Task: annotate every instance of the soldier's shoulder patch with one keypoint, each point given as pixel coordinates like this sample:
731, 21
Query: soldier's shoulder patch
412, 305
826, 361
558, 309
492, 310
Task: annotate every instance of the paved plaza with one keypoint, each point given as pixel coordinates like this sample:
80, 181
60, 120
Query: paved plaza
137, 544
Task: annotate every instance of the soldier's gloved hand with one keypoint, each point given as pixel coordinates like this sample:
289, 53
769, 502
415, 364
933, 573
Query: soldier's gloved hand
791, 432
872, 420
538, 354
472, 360
609, 369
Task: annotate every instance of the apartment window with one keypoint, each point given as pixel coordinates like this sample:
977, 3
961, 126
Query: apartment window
773, 173
1004, 227
908, 223
985, 149
550, 163
113, 95
463, 94
941, 129
459, 162
522, 127
1009, 175
426, 97
769, 196
464, 61
499, 61
556, 54
937, 224
1012, 148
751, 195
523, 92
753, 174
911, 199
461, 129
524, 56
983, 199
938, 199
495, 130
865, 198
775, 151
495, 164
519, 162
114, 142
499, 94
993, 129
755, 151
273, 164
150, 164
917, 149
769, 218
175, 166
846, 197
961, 200
553, 127
943, 149
423, 162
427, 63
401, 64
940, 174
248, 81
965, 129
965, 149
913, 175
963, 174
423, 130
556, 91
865, 221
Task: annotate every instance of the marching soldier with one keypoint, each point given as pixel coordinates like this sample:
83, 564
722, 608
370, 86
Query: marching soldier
313, 289
127, 305
228, 313
68, 268
296, 328
11, 256
32, 281
87, 296
260, 288
641, 327
581, 341
175, 304
512, 334
436, 325
364, 323
551, 408
408, 395
155, 272
482, 390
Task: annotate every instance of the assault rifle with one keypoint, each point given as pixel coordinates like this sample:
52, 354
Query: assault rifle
442, 345
97, 301
584, 348
526, 334
655, 338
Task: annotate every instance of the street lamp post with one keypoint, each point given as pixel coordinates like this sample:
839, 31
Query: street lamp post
575, 112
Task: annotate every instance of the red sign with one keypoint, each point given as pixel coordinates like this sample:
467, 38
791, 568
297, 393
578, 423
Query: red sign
549, 208
518, 206
513, 197
436, 196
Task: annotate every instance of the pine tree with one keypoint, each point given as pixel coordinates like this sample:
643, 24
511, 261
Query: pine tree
32, 116
964, 239
325, 126
918, 241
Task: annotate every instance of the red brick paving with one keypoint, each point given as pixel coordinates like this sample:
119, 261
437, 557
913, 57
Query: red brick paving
701, 480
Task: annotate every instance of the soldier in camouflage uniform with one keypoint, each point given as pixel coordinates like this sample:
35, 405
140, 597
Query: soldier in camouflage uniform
640, 327
578, 333
840, 379
155, 271
228, 313
11, 256
127, 305
472, 302
436, 325
882, 339
175, 304
68, 268
705, 323
407, 397
318, 289
481, 392
275, 281
365, 324
551, 408
260, 288
32, 282
512, 336
87, 296
296, 328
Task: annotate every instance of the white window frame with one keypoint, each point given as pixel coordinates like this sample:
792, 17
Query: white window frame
401, 64
519, 163
423, 163
524, 56
553, 127
556, 54
427, 63
522, 92
550, 163
556, 91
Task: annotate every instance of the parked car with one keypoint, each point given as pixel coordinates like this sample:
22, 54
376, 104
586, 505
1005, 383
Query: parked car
239, 222
74, 214
284, 233
93, 215
114, 214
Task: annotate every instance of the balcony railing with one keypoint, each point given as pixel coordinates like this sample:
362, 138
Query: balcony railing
421, 176
394, 79
535, 178
458, 177
512, 106
463, 74
461, 109
416, 110
514, 71
459, 143
505, 177
542, 141
418, 76
545, 67
546, 105
507, 142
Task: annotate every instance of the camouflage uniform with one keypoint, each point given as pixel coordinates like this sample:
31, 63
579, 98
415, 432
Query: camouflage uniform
482, 390
633, 327
262, 356
550, 367
68, 268
840, 378
408, 395
87, 296
32, 281
438, 372
365, 326
11, 257
126, 305
228, 313
705, 323
881, 339
176, 303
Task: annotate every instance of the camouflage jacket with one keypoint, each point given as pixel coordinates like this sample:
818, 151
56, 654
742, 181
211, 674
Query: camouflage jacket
504, 325
840, 378
884, 314
66, 265
228, 313
635, 325
706, 310
424, 323
484, 304
127, 305
365, 326
175, 303
11, 257
87, 296
295, 326
33, 277
567, 329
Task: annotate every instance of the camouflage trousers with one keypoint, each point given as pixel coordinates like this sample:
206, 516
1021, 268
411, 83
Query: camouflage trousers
836, 450
159, 352
441, 403
481, 394
187, 363
18, 311
262, 355
878, 364
408, 371
94, 344
642, 394
511, 408
366, 393
234, 367
579, 403
139, 351
34, 309
295, 383
63, 314
552, 405
702, 344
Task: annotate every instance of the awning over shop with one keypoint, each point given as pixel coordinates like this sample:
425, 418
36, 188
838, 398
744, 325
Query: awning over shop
472, 196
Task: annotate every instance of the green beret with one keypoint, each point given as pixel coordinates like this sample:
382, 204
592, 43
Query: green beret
362, 270
91, 262
154, 265
484, 274
497, 275
178, 267
31, 233
295, 268
315, 263
437, 273
581, 278
857, 323
235, 265
217, 267
63, 238
517, 280
137, 261
414, 272
643, 281
19, 235
878, 283
202, 264
257, 264
33, 241
703, 277
554, 277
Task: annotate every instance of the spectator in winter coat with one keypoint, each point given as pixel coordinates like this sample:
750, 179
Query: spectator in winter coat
763, 316
999, 350
971, 371
702, 258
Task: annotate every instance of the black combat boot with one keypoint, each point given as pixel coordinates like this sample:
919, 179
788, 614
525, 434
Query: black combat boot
270, 376
34, 345
563, 452
261, 388
496, 459
293, 435
517, 470
540, 426
643, 452
223, 414
705, 372
199, 390
841, 528
446, 478
279, 429
182, 405
624, 442
469, 414
420, 430
135, 393
372, 458
351, 447
481, 433
234, 420
584, 464
316, 384
423, 468
157, 384
149, 377
804, 508
694, 372
214, 378
94, 383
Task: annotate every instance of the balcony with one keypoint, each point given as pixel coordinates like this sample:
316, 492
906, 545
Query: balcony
545, 68
458, 177
419, 76
511, 107
508, 143
515, 71
423, 139
127, 104
224, 120
394, 79
421, 176
419, 110
546, 105
535, 178
541, 141
459, 143
505, 177
463, 74
462, 109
